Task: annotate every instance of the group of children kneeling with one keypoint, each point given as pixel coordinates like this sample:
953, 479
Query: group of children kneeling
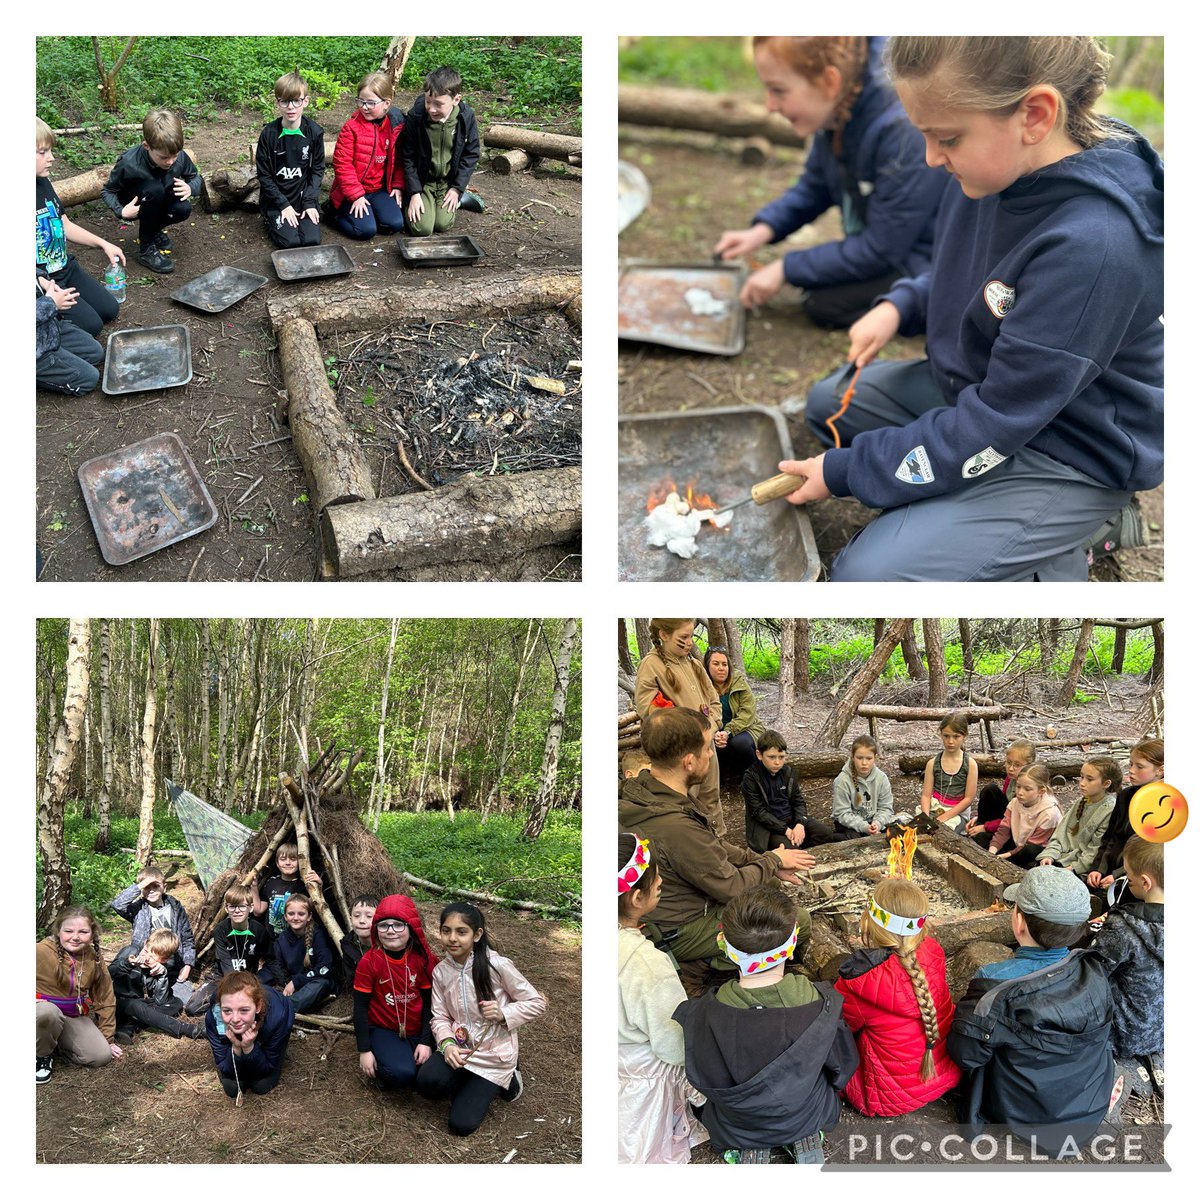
391, 169
446, 1028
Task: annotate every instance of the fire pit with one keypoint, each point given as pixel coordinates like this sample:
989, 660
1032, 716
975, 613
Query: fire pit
726, 451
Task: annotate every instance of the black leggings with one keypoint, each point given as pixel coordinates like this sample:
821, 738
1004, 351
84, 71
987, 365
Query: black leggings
259, 1085
470, 1094
133, 1012
95, 306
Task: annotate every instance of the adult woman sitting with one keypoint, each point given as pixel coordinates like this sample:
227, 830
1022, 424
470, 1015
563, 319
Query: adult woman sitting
740, 726
248, 1029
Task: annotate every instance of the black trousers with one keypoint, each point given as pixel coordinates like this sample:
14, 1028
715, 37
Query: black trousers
160, 208
95, 306
259, 1086
305, 233
838, 307
135, 1013
470, 1095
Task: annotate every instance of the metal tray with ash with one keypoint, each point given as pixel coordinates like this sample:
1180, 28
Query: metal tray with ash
145, 497
440, 250
311, 262
682, 305
143, 360
220, 289
722, 451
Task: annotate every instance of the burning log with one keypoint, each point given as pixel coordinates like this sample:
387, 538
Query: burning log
534, 142
476, 519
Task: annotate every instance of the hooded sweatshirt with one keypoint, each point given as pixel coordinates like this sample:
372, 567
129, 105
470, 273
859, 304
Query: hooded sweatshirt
1027, 825
392, 990
1042, 321
682, 680
860, 801
84, 980
1130, 944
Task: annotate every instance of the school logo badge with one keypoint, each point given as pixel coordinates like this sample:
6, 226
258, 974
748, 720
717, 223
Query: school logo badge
999, 297
981, 463
915, 467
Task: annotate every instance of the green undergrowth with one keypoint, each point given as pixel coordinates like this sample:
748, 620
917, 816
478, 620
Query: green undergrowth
713, 64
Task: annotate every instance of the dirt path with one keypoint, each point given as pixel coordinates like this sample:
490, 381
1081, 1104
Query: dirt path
226, 414
162, 1103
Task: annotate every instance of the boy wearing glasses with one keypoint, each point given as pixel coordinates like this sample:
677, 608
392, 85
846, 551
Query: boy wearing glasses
368, 180
290, 162
241, 942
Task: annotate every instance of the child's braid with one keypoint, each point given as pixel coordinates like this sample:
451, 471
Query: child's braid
928, 1013
308, 940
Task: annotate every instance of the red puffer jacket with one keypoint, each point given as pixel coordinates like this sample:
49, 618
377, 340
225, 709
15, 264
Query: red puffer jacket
361, 145
880, 1007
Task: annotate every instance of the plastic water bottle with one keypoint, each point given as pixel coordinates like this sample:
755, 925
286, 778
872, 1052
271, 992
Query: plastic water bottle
114, 280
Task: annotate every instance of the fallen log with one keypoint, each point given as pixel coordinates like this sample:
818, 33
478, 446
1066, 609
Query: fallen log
480, 519
336, 468
237, 186
341, 310
631, 741
87, 186
984, 926
628, 718
510, 162
534, 142
686, 108
818, 766
489, 898
316, 1021
902, 712
755, 152
993, 765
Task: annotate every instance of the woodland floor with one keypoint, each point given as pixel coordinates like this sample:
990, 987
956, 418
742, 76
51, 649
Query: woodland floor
161, 1102
785, 353
226, 414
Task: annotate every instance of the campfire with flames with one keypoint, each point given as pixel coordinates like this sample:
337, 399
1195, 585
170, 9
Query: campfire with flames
674, 520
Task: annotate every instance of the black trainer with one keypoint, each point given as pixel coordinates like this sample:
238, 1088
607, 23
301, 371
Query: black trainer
162, 241
45, 1068
156, 260
515, 1087
809, 1149
471, 202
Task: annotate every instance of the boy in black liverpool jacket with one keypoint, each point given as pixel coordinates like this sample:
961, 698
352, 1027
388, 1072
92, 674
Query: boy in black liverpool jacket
290, 161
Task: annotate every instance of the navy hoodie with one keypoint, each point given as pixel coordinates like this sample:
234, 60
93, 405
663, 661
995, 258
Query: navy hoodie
887, 195
270, 1046
1042, 321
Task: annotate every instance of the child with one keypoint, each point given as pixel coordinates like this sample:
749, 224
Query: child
862, 793
655, 1123
776, 814
1035, 1042
391, 996
479, 1001
302, 957
865, 159
93, 306
358, 941
1029, 821
143, 989
633, 763
441, 149
951, 777
1079, 833
993, 798
271, 897
770, 1051
146, 906
76, 1008
248, 1029
154, 182
1042, 392
1130, 944
290, 164
1147, 763
896, 1003
241, 944
67, 356
367, 176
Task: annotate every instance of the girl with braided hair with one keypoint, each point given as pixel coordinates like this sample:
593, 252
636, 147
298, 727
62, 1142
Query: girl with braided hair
865, 158
896, 1002
303, 957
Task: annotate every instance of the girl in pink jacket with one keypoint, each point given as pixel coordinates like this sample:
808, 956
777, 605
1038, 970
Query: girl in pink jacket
479, 1000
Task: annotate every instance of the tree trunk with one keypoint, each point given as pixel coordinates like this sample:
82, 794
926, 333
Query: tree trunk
131, 742
624, 658
968, 652
912, 656
864, 680
641, 634
395, 58
558, 709
686, 108
104, 828
480, 519
206, 659
1118, 651
515, 704
149, 722
379, 780
533, 141
803, 650
733, 643
714, 627
787, 674
1071, 682
1156, 667
877, 631
108, 79
56, 872
935, 656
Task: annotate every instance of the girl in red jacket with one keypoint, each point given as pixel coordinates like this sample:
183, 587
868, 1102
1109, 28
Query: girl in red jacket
897, 1004
368, 179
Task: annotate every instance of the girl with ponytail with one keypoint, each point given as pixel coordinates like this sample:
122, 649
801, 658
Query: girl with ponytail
303, 957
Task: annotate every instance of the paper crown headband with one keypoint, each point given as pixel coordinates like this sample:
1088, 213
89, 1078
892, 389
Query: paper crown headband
635, 868
893, 922
755, 964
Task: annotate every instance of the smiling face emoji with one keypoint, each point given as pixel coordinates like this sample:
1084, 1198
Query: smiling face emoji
1158, 812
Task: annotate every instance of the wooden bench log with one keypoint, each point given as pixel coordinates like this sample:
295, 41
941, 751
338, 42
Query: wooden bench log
688, 108
510, 162
993, 765
534, 142
476, 519
900, 712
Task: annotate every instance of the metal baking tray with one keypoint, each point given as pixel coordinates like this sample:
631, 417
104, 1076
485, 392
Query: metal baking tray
440, 250
141, 360
311, 262
652, 305
219, 289
728, 450
145, 497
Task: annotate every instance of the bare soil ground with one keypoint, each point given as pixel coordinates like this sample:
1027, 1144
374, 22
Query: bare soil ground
699, 189
162, 1103
226, 414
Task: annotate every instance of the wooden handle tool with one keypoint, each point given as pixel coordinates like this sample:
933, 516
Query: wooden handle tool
774, 488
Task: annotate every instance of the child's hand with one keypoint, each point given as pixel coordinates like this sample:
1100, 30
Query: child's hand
132, 208
735, 243
1107, 881
796, 834
249, 1037
873, 827
422, 1054
313, 214
992, 850
117, 1051
451, 200
1006, 854
811, 486
721, 739
489, 1010
360, 207
763, 285
312, 877
183, 190
871, 332
113, 253
366, 1060
397, 194
416, 206
1045, 862
184, 975
1093, 879
63, 298
156, 968
454, 1055
291, 987
973, 826
290, 217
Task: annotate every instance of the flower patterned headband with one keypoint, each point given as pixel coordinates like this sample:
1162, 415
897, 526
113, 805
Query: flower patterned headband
893, 922
635, 868
755, 964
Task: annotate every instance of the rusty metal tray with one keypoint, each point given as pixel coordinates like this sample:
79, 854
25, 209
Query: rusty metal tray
142, 360
728, 450
652, 305
145, 497
440, 250
311, 262
219, 289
